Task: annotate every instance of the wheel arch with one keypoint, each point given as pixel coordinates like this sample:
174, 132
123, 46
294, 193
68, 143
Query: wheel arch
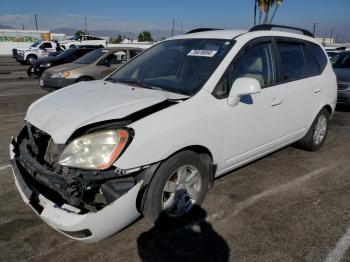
30, 54
81, 77
329, 109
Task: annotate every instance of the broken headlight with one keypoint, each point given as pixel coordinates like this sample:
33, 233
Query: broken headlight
95, 151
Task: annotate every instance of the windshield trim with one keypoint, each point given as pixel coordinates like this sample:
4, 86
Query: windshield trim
200, 87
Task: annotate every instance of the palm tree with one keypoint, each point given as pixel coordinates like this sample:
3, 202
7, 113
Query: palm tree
261, 5
265, 7
277, 5
268, 4
255, 6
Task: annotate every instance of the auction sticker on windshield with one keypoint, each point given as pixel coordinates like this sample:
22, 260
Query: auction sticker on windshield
205, 53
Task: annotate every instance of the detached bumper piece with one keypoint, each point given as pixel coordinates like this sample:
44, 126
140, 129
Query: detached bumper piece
84, 205
56, 83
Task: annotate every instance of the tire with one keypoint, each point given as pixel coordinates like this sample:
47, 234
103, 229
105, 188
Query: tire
30, 59
157, 207
84, 78
317, 134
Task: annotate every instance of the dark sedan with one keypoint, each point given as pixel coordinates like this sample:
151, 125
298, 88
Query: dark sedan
341, 65
67, 56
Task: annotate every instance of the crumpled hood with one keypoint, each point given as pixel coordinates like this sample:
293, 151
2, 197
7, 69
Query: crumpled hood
64, 111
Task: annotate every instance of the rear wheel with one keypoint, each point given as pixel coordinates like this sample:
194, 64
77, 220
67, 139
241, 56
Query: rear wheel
317, 134
179, 184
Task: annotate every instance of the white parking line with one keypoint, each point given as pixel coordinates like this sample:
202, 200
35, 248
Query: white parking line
282, 188
25, 93
20, 82
4, 167
341, 247
10, 115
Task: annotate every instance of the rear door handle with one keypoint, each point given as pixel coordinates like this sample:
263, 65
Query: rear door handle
317, 90
276, 102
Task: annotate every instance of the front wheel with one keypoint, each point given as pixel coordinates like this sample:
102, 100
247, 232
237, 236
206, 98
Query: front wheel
179, 184
31, 59
317, 134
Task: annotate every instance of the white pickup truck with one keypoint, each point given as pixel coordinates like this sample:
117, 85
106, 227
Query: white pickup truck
36, 50
83, 40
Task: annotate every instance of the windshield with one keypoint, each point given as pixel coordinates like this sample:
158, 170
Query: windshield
36, 44
341, 60
73, 38
180, 66
65, 53
91, 57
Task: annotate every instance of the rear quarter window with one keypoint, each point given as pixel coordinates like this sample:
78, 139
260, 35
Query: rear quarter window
319, 55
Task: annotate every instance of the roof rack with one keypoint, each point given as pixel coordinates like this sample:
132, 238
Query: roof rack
268, 27
197, 30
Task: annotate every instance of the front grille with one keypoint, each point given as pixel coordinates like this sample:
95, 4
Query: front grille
42, 146
14, 51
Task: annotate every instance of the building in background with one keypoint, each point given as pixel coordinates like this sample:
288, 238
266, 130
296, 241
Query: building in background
29, 36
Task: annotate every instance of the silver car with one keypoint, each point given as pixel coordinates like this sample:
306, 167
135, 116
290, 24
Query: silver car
92, 66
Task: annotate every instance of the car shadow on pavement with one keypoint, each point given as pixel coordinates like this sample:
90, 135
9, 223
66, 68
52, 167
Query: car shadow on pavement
191, 239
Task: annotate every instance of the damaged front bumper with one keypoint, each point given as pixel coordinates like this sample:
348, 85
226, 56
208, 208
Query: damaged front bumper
85, 226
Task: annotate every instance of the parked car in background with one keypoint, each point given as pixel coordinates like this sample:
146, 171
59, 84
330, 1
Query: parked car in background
332, 51
83, 40
95, 65
341, 66
35, 51
151, 138
59, 58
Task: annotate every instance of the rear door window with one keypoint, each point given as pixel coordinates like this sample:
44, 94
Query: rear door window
291, 61
300, 60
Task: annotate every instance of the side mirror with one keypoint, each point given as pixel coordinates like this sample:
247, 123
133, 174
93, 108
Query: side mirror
241, 87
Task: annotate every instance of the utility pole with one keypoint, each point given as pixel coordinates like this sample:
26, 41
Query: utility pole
181, 28
331, 36
36, 22
172, 30
314, 30
86, 31
22, 27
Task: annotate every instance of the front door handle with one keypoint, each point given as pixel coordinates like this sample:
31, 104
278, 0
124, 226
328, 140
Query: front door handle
317, 90
276, 102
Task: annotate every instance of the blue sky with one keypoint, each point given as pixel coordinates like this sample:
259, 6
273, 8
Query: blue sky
139, 15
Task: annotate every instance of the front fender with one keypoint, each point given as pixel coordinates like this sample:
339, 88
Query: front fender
165, 132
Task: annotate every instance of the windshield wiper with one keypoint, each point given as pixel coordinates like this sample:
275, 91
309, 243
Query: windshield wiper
135, 83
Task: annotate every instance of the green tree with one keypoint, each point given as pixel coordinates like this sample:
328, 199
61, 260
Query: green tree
117, 40
79, 32
145, 36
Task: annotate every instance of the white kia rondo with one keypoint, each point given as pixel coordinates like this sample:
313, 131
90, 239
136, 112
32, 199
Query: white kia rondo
151, 138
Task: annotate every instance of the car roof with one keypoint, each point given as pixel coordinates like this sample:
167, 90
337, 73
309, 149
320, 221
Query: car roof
231, 34
212, 34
